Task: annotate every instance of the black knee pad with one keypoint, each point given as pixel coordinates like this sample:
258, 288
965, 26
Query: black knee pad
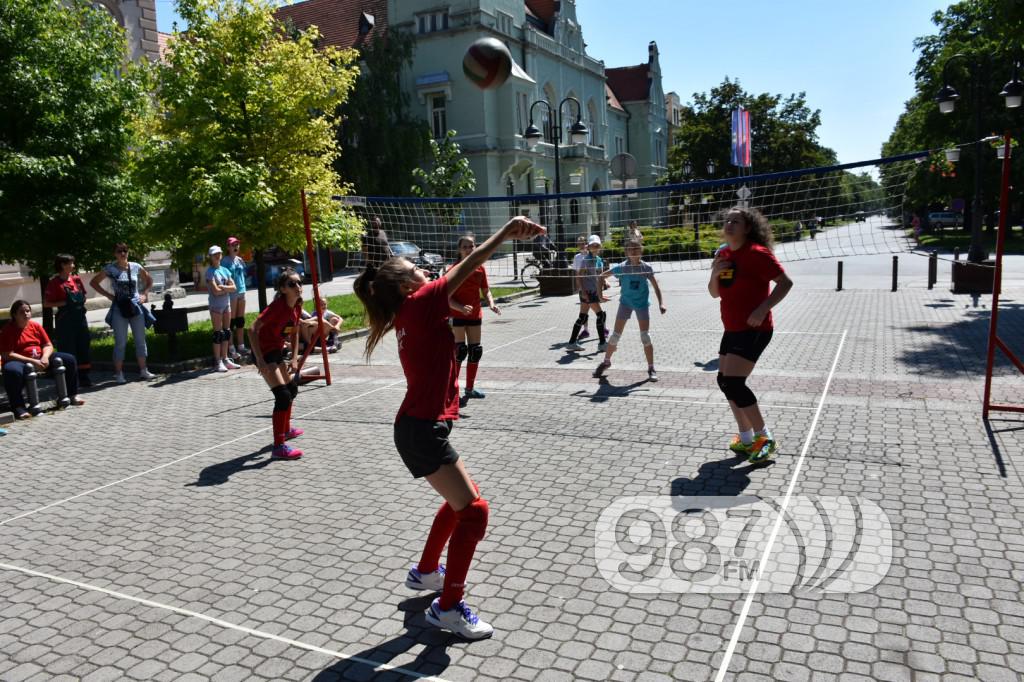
736, 390
238, 322
476, 351
461, 351
474, 518
282, 398
293, 388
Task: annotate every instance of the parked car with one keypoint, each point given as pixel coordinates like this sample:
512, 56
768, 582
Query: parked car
432, 263
945, 219
860, 217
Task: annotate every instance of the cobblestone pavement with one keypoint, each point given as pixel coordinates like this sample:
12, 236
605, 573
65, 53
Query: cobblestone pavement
148, 536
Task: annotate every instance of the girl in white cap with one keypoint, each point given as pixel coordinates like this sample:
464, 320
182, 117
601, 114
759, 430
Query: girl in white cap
588, 277
220, 286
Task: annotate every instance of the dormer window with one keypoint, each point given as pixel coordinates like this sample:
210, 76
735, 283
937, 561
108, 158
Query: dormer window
366, 22
431, 22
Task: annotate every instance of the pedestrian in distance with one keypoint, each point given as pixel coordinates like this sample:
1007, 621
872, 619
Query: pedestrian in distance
276, 325
130, 284
588, 278
66, 292
219, 286
236, 265
742, 274
577, 263
398, 296
467, 318
636, 278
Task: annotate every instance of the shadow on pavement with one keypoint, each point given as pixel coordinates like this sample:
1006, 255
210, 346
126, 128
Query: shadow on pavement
431, 660
218, 474
726, 477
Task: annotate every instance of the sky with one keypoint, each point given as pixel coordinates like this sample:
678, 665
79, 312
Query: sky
852, 58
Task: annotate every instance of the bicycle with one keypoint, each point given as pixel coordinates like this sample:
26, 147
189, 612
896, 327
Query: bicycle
530, 273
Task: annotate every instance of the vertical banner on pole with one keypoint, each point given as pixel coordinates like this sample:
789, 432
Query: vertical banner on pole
741, 138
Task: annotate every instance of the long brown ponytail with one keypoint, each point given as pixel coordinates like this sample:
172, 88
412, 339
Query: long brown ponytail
380, 290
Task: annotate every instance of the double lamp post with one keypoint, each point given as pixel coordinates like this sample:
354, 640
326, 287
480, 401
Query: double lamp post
699, 206
1013, 91
578, 134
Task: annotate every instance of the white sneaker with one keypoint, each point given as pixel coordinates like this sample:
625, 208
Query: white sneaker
460, 620
233, 353
119, 378
242, 350
602, 347
425, 581
230, 364
146, 375
575, 347
220, 367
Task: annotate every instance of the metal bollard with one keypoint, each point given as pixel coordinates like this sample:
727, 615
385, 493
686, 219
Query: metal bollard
933, 269
60, 378
895, 270
839, 275
956, 253
32, 388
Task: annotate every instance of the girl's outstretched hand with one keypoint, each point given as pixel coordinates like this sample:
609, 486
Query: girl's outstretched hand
522, 228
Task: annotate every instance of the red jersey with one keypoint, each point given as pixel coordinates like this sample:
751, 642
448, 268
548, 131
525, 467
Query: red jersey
746, 285
277, 322
426, 349
29, 341
469, 294
57, 289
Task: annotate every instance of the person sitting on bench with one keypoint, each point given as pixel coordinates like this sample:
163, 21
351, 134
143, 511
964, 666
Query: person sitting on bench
26, 351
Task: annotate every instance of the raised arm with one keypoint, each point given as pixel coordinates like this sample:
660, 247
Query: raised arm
516, 228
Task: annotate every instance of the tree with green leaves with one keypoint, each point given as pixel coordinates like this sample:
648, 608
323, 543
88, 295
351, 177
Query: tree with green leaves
989, 33
449, 176
67, 126
246, 119
382, 141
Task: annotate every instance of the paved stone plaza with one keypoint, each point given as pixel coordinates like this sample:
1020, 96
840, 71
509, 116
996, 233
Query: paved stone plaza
148, 535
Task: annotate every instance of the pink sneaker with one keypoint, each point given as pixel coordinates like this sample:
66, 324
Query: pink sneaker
293, 432
285, 451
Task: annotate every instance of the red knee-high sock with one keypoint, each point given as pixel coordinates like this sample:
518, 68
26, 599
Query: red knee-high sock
471, 374
470, 525
440, 531
288, 419
280, 420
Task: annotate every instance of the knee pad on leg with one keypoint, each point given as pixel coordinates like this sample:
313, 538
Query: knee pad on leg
476, 351
282, 398
474, 518
293, 388
613, 340
238, 322
645, 338
461, 351
737, 391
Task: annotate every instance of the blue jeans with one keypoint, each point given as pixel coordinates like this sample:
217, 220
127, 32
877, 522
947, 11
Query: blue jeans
15, 372
120, 325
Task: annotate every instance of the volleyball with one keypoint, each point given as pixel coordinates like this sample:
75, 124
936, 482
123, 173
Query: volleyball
487, 63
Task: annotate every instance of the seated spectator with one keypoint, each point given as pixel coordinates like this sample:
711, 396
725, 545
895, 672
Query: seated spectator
330, 329
24, 345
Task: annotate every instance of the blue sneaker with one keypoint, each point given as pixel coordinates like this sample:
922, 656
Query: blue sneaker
460, 620
425, 581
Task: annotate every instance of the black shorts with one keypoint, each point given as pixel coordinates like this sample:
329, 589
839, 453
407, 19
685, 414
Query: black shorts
275, 357
423, 444
746, 344
463, 322
589, 297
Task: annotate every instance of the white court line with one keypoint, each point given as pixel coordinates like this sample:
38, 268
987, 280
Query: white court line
229, 442
194, 454
377, 665
729, 650
632, 396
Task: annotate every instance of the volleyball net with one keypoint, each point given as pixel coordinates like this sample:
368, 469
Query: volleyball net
850, 209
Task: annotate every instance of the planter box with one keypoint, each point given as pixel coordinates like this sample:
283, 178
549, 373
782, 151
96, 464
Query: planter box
557, 282
973, 278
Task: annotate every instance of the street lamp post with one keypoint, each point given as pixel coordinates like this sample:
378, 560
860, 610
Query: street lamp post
947, 98
700, 205
577, 135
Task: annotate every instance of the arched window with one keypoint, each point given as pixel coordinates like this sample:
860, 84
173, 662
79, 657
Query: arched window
592, 123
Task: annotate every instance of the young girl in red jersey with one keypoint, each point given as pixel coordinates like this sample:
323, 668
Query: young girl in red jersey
741, 276
278, 323
467, 318
398, 295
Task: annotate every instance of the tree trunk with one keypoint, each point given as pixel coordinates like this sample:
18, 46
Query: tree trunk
261, 278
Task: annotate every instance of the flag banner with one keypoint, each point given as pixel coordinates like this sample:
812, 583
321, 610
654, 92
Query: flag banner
741, 138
